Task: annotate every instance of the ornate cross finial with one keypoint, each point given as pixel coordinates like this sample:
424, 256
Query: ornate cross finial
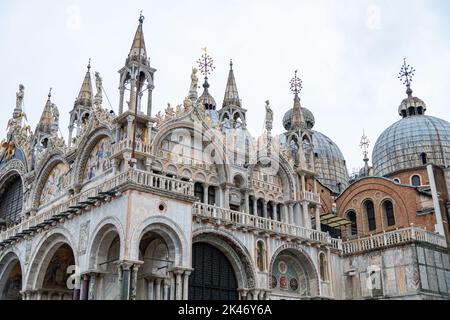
406, 75
231, 64
141, 18
50, 93
296, 84
89, 65
206, 63
364, 145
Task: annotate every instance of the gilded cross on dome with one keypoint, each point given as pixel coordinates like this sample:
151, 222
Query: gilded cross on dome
406, 74
206, 63
364, 145
296, 84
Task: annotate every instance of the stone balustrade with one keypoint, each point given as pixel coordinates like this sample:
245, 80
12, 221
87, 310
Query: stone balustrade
127, 145
240, 219
383, 240
310, 197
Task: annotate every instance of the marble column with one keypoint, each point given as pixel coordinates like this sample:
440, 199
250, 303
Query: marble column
131, 106
122, 93
150, 100
317, 209
255, 206
92, 286
227, 197
158, 288
306, 219
265, 209
150, 289
291, 213
133, 285
205, 193
179, 285
246, 202
166, 289
84, 287
186, 275
172, 286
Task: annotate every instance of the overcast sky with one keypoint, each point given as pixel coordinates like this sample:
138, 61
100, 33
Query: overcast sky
348, 54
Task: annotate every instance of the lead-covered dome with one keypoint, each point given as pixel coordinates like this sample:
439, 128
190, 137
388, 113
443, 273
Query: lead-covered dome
412, 142
329, 161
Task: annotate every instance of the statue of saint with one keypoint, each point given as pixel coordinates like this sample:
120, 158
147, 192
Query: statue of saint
194, 81
98, 85
269, 117
19, 97
294, 150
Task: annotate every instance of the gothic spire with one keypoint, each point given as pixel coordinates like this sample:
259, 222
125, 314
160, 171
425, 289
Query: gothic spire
46, 120
138, 45
85, 96
297, 116
231, 91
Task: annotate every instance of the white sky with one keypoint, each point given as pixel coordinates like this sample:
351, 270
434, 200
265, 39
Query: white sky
348, 54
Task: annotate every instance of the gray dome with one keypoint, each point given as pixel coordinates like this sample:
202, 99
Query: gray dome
330, 163
403, 144
307, 115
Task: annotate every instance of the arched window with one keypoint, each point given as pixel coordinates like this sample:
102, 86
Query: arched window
270, 211
353, 226
260, 253
278, 212
260, 208
323, 267
388, 208
424, 158
212, 195
370, 213
199, 191
415, 181
251, 205
11, 200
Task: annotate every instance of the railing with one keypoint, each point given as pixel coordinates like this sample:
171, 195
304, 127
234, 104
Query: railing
309, 196
412, 234
223, 215
127, 144
141, 178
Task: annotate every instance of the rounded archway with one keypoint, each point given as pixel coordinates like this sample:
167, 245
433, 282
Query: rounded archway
53, 281
214, 277
155, 278
293, 275
10, 278
103, 258
54, 272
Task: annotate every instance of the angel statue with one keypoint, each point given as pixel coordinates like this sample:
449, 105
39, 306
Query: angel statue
294, 151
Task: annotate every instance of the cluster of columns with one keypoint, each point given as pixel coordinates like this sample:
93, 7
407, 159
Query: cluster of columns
173, 287
254, 294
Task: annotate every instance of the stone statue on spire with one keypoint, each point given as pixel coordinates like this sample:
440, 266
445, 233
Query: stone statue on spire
99, 86
269, 117
19, 97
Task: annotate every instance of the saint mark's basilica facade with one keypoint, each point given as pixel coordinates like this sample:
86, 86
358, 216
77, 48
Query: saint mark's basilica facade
185, 204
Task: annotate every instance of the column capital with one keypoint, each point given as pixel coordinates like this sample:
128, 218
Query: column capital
128, 264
